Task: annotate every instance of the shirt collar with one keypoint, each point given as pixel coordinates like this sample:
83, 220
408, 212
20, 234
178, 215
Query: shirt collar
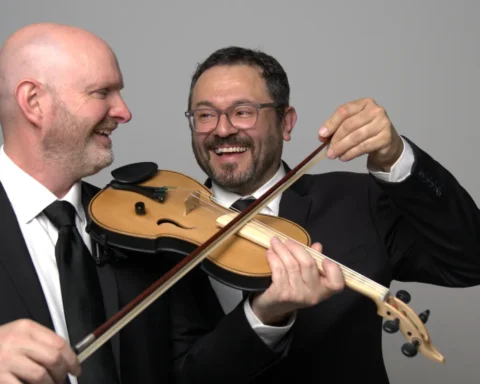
29, 197
227, 198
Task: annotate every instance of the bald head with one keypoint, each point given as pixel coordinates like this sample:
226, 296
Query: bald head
48, 54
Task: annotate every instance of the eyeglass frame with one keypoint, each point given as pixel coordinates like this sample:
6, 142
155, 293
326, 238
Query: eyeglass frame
220, 112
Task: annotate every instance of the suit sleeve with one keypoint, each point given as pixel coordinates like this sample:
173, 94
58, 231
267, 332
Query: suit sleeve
430, 225
210, 347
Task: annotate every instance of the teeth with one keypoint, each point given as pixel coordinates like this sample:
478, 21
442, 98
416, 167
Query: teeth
106, 133
230, 150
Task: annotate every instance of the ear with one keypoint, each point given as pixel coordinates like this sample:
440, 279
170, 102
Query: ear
28, 94
289, 120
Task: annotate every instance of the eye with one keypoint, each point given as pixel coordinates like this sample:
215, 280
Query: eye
102, 92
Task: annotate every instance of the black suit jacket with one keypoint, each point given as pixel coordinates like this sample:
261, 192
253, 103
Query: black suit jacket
173, 340
424, 229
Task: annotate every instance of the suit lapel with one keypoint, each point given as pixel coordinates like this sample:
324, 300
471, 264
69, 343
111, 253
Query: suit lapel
295, 203
106, 277
16, 259
294, 207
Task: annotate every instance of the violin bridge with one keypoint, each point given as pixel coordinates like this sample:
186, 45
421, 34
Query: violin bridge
192, 202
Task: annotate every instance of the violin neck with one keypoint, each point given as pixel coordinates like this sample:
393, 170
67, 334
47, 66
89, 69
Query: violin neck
261, 234
354, 280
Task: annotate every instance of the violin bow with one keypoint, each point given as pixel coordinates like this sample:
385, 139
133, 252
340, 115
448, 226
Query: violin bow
399, 314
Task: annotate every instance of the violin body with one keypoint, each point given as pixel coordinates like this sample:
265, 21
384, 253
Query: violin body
155, 211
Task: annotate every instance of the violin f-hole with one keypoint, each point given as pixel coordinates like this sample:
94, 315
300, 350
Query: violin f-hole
173, 222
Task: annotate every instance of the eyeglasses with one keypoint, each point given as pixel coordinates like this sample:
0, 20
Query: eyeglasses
240, 116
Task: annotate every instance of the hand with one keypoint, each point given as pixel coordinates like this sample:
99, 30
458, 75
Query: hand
297, 281
32, 353
362, 127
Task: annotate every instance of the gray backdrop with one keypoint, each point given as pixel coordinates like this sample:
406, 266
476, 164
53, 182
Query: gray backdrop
419, 59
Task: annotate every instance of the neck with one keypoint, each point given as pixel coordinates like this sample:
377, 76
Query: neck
53, 174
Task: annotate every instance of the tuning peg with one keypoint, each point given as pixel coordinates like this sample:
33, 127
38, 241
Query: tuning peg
410, 349
424, 316
391, 326
404, 296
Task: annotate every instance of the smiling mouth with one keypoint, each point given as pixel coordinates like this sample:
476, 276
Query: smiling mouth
103, 132
221, 151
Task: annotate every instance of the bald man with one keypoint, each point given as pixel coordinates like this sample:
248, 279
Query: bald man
60, 101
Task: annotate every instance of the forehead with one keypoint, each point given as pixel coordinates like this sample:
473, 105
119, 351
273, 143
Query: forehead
98, 68
225, 85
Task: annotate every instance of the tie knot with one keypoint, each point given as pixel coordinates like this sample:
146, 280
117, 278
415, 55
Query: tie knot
61, 213
241, 204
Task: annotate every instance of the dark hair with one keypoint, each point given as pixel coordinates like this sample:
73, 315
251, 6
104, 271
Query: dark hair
272, 72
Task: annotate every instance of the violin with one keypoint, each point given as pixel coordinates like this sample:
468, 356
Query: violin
148, 210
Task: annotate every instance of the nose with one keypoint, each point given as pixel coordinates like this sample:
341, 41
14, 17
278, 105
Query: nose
120, 111
224, 128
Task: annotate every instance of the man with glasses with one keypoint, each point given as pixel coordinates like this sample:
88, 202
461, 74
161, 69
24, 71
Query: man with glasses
407, 218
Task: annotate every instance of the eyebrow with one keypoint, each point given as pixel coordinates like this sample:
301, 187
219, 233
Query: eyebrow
206, 103
94, 86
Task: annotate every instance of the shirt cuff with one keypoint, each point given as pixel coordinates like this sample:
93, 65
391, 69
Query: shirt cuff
401, 169
269, 334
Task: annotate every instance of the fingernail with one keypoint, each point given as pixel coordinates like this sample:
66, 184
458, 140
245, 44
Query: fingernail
330, 153
323, 131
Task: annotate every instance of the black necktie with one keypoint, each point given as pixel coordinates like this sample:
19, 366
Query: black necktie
81, 293
240, 205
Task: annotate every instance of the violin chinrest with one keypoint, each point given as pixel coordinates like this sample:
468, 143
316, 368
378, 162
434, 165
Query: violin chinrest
135, 173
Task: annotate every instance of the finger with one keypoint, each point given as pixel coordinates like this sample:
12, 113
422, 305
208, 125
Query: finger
279, 275
61, 358
290, 264
29, 371
341, 114
8, 378
355, 140
308, 266
45, 357
317, 247
334, 280
351, 124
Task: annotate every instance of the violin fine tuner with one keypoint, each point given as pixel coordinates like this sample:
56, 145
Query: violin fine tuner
140, 208
392, 326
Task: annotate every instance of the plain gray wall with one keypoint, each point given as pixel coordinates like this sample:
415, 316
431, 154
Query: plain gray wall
419, 59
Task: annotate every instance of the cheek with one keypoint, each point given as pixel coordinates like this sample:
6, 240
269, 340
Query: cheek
199, 144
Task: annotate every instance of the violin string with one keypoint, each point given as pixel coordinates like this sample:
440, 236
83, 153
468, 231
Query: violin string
318, 256
353, 275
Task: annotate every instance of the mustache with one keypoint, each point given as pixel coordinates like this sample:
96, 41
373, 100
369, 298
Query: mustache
231, 140
106, 124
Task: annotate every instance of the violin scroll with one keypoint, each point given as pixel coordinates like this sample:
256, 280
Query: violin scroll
400, 317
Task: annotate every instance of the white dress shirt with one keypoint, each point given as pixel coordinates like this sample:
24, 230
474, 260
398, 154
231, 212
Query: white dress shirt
230, 297
29, 198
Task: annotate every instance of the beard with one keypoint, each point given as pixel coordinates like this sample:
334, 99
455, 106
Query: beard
70, 141
265, 158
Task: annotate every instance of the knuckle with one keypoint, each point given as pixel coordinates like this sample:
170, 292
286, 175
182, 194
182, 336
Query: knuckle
342, 111
23, 324
310, 263
59, 343
378, 112
360, 135
39, 375
293, 267
53, 359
